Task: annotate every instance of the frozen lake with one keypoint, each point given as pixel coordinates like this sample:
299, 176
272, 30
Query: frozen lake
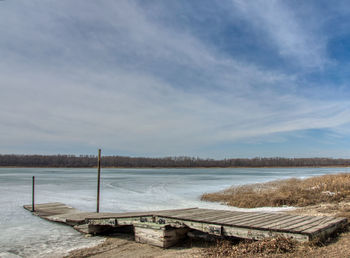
121, 190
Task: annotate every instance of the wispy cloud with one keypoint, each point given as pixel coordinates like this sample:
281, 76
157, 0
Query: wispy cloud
78, 75
295, 36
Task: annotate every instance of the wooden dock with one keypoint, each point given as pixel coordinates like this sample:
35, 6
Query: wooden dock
152, 226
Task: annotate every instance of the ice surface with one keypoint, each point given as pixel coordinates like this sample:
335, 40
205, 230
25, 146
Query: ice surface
121, 190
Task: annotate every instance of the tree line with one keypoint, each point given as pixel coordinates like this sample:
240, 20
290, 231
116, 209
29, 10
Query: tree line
74, 161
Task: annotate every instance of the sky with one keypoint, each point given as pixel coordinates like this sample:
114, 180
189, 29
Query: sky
218, 78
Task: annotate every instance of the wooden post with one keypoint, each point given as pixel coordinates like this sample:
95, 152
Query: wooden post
98, 180
33, 194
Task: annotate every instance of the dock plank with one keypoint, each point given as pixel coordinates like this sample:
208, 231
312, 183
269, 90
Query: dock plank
234, 217
191, 215
278, 220
253, 225
220, 215
281, 224
175, 212
329, 224
262, 219
199, 216
314, 225
308, 221
238, 219
240, 216
196, 212
228, 215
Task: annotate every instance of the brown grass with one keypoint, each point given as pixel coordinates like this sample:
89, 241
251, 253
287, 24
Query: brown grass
327, 195
290, 192
278, 245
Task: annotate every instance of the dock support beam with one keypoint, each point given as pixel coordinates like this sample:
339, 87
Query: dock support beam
98, 180
158, 235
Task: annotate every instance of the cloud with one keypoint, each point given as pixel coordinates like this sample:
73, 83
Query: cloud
294, 35
86, 74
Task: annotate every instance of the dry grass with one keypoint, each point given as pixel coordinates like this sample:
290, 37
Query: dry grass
282, 247
290, 192
248, 248
326, 195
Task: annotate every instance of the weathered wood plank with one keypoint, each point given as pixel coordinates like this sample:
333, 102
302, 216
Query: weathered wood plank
277, 219
281, 224
311, 226
232, 217
175, 212
266, 223
198, 216
44, 205
197, 212
308, 221
321, 225
257, 234
253, 225
57, 210
190, 216
239, 217
44, 208
135, 214
205, 227
243, 218
222, 215
256, 221
314, 224
70, 218
323, 232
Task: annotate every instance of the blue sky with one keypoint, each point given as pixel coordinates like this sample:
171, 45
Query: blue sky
228, 78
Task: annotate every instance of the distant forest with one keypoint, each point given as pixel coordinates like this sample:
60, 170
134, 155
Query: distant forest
167, 162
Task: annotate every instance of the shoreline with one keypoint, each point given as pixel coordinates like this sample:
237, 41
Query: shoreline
339, 166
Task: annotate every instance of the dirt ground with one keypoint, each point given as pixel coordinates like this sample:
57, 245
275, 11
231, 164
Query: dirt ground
122, 245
